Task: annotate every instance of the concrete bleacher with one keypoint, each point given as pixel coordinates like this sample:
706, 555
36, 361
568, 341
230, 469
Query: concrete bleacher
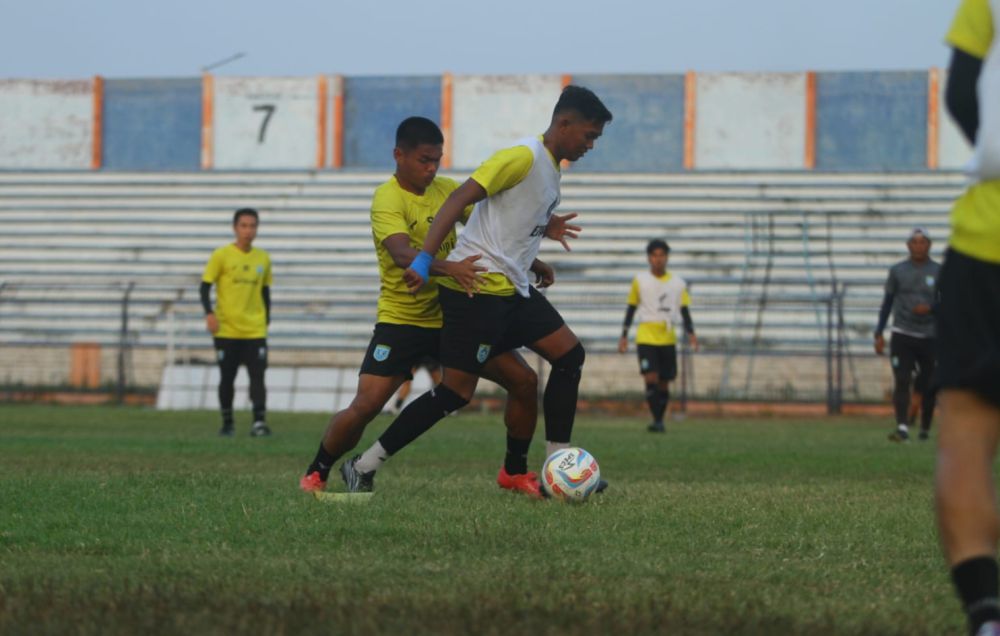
70, 243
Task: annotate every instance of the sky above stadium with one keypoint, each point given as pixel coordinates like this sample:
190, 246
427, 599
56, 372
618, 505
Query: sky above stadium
136, 38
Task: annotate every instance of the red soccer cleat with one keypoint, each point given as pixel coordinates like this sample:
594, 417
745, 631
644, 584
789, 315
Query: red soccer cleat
312, 482
526, 483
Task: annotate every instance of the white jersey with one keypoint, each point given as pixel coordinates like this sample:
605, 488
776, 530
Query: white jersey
659, 300
985, 164
507, 228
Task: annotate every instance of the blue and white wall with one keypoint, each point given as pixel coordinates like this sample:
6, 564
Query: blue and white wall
847, 121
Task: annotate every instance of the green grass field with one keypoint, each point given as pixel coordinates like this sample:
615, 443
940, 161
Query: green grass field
129, 520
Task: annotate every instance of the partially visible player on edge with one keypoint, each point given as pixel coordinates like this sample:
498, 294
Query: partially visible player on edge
238, 323
515, 193
909, 297
659, 300
968, 328
433, 368
408, 327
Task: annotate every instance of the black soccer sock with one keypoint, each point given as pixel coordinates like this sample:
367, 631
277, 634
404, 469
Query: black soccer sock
227, 417
322, 463
421, 414
516, 460
901, 399
561, 390
662, 399
651, 400
927, 409
978, 587
258, 392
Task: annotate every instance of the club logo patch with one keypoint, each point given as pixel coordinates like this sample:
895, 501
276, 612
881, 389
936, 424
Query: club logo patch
483, 353
644, 364
381, 353
260, 269
895, 361
930, 281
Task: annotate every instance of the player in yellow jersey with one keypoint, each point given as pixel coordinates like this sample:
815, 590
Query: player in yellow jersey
238, 323
968, 328
515, 193
408, 326
661, 300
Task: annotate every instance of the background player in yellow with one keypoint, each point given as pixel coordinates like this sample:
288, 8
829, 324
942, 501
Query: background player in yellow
968, 330
408, 326
238, 323
659, 299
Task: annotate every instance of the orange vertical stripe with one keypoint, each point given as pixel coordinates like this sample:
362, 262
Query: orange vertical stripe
690, 105
338, 121
933, 119
321, 97
207, 121
446, 118
97, 125
810, 158
566, 81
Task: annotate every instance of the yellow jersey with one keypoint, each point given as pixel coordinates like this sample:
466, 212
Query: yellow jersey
239, 278
975, 217
398, 211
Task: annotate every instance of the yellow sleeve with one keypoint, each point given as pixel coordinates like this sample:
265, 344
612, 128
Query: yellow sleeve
268, 276
685, 298
387, 215
633, 293
213, 268
972, 29
505, 169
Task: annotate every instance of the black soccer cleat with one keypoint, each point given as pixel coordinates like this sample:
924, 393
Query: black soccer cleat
602, 485
356, 481
227, 430
260, 429
899, 435
924, 434
656, 427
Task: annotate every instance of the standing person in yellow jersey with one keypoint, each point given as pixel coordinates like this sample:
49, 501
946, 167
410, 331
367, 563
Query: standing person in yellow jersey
408, 327
238, 323
659, 299
968, 327
515, 193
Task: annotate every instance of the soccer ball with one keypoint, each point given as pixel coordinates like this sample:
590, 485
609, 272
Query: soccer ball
570, 474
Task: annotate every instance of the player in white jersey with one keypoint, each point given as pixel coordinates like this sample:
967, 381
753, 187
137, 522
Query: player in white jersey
658, 300
515, 193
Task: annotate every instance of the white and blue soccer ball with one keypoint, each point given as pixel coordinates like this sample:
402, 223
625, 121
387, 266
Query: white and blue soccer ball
570, 474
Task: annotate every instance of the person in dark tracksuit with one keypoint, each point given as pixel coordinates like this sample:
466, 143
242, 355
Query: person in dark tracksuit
909, 297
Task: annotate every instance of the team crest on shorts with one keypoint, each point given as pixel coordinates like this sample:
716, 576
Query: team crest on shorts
483, 353
644, 364
381, 353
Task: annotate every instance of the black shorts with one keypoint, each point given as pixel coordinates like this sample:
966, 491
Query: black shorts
661, 359
395, 350
230, 353
909, 354
968, 326
479, 328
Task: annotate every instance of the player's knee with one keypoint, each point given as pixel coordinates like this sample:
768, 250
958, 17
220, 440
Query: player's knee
523, 385
448, 400
571, 362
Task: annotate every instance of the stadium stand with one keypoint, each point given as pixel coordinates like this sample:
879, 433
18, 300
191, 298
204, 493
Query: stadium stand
761, 251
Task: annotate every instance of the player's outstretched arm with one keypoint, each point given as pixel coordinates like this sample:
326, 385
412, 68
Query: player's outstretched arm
466, 271
544, 274
469, 193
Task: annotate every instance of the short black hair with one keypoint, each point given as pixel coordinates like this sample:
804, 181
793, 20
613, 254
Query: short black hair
245, 212
583, 101
657, 244
414, 131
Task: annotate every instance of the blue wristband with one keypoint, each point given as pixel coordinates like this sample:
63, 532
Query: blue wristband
422, 265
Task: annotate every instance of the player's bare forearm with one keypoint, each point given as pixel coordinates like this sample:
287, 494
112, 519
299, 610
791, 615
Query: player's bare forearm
451, 211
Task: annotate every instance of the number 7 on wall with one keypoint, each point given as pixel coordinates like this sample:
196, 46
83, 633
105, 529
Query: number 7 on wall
268, 110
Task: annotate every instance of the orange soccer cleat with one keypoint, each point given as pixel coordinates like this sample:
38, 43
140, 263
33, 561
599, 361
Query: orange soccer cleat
526, 483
